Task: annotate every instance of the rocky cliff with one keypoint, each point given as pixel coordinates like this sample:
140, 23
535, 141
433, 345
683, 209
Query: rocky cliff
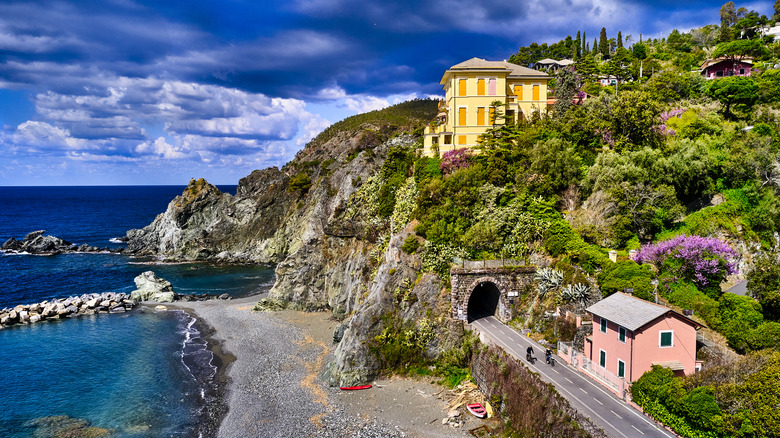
294, 217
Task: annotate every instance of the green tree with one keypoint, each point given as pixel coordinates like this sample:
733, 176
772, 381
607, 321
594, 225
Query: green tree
595, 49
603, 43
578, 48
587, 67
769, 85
567, 84
776, 16
640, 50
764, 284
734, 92
585, 44
728, 18
554, 166
620, 40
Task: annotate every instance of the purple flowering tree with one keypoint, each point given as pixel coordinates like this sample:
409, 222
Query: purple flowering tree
704, 261
455, 160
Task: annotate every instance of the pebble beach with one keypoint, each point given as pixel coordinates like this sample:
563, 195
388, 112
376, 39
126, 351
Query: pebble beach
270, 366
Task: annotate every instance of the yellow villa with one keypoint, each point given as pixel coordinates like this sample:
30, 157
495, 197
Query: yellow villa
470, 88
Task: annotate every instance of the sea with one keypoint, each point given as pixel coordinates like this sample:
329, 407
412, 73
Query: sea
144, 373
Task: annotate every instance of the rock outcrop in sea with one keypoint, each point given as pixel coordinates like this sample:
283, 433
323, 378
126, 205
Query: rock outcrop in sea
150, 287
40, 244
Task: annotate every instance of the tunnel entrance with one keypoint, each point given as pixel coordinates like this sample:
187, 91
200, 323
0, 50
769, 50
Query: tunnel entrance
483, 301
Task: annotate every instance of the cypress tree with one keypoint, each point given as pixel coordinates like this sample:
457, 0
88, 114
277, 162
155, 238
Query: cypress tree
584, 44
603, 43
620, 41
595, 48
578, 46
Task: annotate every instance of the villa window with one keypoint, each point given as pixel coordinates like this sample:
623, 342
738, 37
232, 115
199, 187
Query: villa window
536, 92
461, 139
492, 86
480, 87
603, 325
621, 368
481, 116
518, 90
461, 87
742, 71
462, 116
666, 338
492, 115
622, 335
602, 358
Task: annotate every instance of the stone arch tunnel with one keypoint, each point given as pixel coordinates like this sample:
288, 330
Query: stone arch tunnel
483, 301
487, 291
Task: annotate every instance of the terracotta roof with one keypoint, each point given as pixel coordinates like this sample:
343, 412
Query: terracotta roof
711, 62
482, 64
630, 312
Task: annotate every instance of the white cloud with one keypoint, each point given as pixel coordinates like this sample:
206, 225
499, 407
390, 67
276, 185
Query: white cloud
43, 135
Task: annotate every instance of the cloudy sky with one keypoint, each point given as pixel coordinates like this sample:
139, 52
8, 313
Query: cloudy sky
118, 92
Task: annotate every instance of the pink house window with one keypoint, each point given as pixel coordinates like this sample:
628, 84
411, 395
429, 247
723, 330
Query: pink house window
492, 86
622, 335
666, 338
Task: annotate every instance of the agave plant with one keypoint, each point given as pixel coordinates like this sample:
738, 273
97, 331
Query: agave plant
576, 293
549, 279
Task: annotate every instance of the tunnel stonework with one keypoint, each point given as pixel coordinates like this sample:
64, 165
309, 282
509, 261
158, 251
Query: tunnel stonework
506, 279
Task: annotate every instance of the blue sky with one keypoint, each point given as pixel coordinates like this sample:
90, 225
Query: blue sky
155, 92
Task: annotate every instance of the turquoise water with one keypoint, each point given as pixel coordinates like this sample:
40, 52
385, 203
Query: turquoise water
143, 374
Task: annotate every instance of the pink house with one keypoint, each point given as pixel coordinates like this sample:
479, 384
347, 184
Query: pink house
631, 335
721, 67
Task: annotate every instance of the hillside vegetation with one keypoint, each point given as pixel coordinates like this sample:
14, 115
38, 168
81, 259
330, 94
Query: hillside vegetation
683, 169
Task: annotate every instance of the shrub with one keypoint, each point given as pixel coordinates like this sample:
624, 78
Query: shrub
456, 159
618, 276
411, 244
705, 261
300, 181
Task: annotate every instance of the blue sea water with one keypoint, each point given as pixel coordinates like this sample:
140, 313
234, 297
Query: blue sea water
144, 373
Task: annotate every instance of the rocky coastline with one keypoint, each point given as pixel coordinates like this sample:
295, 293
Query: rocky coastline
87, 304
37, 243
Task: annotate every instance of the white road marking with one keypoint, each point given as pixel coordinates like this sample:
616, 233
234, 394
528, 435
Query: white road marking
583, 391
616, 414
637, 429
568, 380
598, 401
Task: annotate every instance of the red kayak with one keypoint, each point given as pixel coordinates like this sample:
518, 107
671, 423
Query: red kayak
477, 410
354, 388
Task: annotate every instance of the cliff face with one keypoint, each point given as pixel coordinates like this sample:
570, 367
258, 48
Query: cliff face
294, 217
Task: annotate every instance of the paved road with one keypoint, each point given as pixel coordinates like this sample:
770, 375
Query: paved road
618, 419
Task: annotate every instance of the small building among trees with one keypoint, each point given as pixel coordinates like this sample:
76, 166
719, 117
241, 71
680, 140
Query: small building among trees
722, 67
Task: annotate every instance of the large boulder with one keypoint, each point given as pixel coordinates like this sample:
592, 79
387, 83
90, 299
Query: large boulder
150, 287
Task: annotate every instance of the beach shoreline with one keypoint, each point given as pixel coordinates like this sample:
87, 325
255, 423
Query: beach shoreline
269, 367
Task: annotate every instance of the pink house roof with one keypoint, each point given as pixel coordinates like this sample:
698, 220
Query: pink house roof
631, 312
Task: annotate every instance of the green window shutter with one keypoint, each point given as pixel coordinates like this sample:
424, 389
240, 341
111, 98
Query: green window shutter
622, 334
666, 339
603, 358
621, 369
603, 325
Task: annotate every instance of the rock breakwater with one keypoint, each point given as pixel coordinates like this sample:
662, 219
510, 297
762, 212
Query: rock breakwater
87, 304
